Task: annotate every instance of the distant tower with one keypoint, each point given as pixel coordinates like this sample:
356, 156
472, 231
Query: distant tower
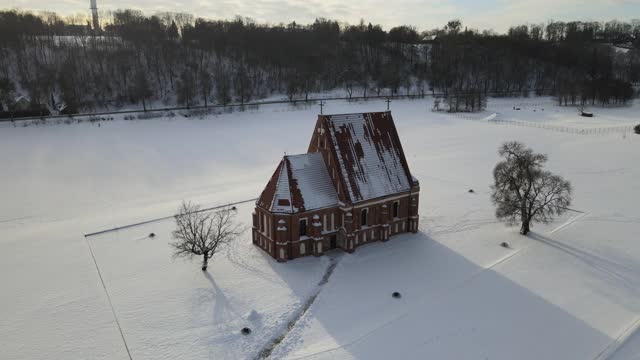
94, 13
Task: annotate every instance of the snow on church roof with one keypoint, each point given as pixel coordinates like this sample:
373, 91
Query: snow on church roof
300, 183
371, 164
369, 153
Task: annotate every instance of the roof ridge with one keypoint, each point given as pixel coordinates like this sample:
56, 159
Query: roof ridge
281, 167
357, 113
302, 154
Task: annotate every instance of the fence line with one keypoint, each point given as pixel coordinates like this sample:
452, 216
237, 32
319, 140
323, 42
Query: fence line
546, 126
213, 110
166, 217
269, 102
566, 129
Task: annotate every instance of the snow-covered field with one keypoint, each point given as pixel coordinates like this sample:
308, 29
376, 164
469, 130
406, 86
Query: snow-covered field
569, 291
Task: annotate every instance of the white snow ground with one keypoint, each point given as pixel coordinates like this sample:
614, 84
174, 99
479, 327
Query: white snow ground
570, 291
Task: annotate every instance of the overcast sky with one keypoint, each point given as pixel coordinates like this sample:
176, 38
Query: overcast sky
424, 14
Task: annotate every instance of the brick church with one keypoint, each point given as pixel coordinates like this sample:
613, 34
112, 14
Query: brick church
352, 187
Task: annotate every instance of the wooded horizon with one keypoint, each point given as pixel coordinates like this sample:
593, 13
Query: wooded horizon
179, 59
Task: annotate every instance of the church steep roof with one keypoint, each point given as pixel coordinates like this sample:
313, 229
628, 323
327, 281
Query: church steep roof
369, 160
372, 162
300, 183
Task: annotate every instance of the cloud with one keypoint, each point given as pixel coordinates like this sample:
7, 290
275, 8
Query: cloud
506, 13
425, 14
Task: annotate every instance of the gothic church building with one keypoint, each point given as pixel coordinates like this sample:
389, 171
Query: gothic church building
352, 187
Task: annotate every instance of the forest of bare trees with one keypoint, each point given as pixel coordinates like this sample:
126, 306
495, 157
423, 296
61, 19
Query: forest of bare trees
176, 59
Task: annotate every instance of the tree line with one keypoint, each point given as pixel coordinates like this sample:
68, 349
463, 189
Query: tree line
170, 59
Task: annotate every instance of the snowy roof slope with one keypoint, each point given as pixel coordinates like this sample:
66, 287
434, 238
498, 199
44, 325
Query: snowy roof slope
370, 155
300, 183
282, 198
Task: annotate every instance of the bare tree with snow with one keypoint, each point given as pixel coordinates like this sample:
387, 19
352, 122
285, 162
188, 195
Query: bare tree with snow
203, 233
524, 192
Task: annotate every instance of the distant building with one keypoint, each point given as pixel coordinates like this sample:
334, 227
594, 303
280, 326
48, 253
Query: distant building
21, 103
429, 39
352, 187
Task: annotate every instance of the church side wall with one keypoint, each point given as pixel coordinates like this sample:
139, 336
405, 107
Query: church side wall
280, 235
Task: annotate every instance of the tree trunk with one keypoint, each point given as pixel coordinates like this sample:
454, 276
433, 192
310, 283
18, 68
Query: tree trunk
205, 261
524, 217
524, 230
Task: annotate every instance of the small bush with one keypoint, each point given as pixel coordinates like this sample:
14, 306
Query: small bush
150, 115
637, 129
396, 295
245, 331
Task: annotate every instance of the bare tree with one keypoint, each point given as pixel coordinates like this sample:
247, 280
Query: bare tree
140, 88
45, 53
205, 86
203, 233
223, 87
523, 191
453, 26
7, 94
186, 90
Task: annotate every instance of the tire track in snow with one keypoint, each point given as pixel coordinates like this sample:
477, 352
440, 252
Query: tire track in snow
104, 286
441, 295
454, 288
266, 351
616, 344
569, 222
15, 219
240, 260
613, 347
113, 310
460, 226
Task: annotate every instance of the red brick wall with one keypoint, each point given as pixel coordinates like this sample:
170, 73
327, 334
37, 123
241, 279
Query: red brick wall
277, 238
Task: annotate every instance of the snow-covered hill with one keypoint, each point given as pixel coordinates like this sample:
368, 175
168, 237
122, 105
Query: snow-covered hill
569, 291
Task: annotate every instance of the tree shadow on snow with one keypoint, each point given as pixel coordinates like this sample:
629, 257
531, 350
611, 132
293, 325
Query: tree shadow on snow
223, 309
616, 268
450, 308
